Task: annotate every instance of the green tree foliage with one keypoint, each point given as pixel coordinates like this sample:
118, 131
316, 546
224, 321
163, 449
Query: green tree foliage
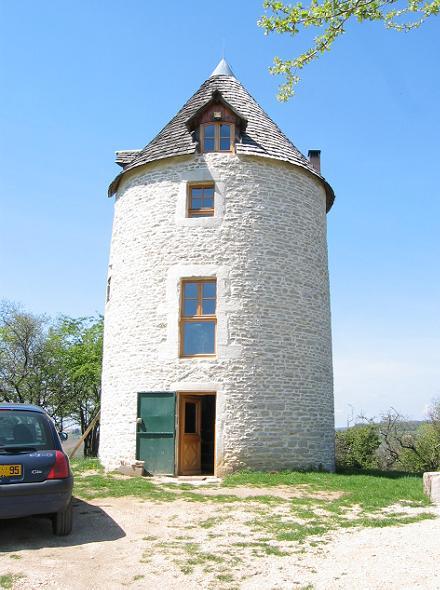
330, 19
425, 454
25, 364
53, 364
76, 354
403, 444
356, 447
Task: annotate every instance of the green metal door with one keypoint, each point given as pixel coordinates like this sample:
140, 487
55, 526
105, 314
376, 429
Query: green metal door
156, 431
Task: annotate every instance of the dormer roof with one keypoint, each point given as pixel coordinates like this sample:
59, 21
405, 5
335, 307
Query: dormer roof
260, 136
216, 98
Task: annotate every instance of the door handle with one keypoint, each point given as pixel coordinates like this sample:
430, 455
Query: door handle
139, 421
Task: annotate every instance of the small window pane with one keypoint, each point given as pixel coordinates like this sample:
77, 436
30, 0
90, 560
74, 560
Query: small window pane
225, 131
202, 213
209, 130
198, 338
197, 192
209, 191
209, 145
190, 307
190, 418
208, 203
190, 290
196, 203
225, 144
208, 306
209, 289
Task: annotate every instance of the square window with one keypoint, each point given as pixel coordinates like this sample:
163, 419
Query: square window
217, 137
201, 200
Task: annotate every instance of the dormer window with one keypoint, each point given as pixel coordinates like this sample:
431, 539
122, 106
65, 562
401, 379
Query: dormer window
217, 137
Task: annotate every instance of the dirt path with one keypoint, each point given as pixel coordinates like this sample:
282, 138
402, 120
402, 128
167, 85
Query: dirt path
185, 545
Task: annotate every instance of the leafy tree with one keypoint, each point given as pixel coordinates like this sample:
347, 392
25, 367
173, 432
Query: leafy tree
434, 416
331, 17
425, 454
24, 359
56, 365
357, 446
76, 346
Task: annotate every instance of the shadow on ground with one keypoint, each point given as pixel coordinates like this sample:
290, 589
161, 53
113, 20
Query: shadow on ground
90, 525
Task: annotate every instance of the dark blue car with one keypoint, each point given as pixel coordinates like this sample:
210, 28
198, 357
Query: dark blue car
35, 476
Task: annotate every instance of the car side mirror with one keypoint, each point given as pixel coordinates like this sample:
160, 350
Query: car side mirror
63, 435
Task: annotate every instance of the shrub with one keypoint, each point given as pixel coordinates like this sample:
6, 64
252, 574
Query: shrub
424, 454
356, 447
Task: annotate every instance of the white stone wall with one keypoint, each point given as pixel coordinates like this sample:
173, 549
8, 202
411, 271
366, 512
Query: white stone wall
267, 247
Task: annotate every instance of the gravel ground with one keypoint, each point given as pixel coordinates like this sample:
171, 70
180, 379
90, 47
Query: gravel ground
181, 545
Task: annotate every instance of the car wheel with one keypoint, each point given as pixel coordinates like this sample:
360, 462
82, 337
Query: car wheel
62, 521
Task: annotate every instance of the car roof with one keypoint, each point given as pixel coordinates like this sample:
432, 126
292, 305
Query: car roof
26, 407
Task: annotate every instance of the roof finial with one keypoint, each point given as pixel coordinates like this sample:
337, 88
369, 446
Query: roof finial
222, 69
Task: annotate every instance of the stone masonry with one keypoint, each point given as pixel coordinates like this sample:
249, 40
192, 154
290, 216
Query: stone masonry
266, 245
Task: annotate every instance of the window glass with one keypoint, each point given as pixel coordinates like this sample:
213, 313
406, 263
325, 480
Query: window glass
209, 138
217, 137
191, 290
209, 289
201, 201
208, 306
209, 130
19, 428
225, 131
209, 145
198, 338
225, 137
190, 418
190, 307
198, 322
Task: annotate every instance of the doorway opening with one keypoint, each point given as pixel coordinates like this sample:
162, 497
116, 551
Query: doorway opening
196, 440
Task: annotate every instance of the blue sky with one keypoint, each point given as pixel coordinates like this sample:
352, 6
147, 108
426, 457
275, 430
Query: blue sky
82, 79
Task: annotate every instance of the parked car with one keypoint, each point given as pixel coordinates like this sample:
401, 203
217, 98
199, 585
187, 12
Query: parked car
35, 475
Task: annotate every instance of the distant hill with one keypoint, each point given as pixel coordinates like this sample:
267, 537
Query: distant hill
410, 426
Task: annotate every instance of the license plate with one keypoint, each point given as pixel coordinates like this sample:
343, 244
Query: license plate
10, 470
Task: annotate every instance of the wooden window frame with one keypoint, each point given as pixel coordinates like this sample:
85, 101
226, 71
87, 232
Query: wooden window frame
196, 213
217, 137
199, 317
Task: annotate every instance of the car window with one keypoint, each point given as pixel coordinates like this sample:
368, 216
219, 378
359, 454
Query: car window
20, 428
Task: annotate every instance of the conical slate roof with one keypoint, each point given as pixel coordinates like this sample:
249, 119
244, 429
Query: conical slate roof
261, 136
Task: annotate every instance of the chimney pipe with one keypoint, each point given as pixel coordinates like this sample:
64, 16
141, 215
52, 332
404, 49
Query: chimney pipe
315, 159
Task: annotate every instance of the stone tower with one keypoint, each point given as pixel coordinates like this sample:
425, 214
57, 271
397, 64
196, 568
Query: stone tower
217, 346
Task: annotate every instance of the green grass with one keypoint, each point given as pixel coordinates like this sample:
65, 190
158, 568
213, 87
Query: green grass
328, 500
89, 486
7, 581
209, 523
225, 578
371, 491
